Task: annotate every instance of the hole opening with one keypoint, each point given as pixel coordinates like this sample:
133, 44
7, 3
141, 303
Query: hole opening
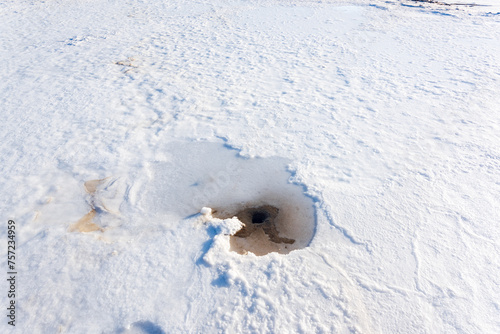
259, 217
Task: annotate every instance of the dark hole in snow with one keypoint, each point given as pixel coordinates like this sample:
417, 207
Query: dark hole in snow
259, 217
265, 229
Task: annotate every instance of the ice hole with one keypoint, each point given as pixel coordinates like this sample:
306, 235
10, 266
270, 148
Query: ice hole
278, 215
267, 229
259, 217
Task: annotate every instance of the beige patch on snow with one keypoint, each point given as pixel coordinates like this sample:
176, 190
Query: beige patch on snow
91, 185
86, 224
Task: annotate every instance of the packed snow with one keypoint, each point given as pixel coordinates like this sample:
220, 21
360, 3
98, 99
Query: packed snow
132, 131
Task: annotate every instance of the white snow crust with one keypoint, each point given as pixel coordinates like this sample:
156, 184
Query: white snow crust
122, 120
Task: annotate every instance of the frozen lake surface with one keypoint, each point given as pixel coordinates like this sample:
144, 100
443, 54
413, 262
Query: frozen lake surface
371, 126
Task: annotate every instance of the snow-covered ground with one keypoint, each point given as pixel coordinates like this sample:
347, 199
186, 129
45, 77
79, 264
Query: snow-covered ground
375, 124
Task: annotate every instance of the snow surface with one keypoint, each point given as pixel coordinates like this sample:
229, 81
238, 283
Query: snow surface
385, 113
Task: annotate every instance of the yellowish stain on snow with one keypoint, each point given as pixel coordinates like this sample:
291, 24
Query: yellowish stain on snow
91, 185
85, 224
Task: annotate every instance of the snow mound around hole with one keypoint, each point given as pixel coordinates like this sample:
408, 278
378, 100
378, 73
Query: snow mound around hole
276, 214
